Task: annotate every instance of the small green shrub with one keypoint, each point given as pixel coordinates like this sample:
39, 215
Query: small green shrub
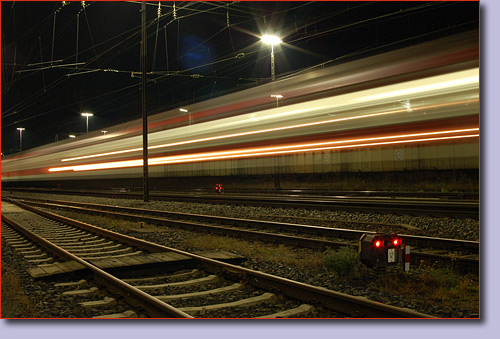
344, 262
440, 277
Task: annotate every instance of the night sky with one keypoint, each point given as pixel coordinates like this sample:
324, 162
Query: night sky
59, 60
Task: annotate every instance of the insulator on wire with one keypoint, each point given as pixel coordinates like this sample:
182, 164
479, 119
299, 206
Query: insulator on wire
83, 4
63, 4
159, 9
227, 15
175, 12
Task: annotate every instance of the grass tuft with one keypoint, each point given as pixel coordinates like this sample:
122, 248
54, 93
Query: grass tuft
344, 262
15, 302
276, 254
438, 285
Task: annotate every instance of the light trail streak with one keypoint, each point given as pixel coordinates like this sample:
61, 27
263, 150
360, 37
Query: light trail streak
268, 130
464, 78
282, 149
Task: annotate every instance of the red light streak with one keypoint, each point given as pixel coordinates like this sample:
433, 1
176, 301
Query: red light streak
269, 130
282, 149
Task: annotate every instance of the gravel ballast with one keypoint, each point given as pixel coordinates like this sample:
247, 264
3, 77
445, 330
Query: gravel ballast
465, 229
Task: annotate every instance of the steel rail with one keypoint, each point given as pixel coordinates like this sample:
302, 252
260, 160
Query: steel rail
247, 234
412, 240
391, 206
340, 302
469, 196
456, 209
466, 264
153, 306
391, 194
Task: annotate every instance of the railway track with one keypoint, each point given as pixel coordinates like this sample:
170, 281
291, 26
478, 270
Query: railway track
463, 255
390, 205
86, 248
473, 196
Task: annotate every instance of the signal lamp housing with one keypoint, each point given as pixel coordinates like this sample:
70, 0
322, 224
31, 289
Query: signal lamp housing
381, 250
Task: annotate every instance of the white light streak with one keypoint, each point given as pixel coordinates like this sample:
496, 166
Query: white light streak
463, 78
281, 149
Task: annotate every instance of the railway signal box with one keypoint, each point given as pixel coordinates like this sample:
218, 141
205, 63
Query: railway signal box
381, 250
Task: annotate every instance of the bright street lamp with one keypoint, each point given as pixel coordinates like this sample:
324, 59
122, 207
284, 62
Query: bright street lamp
186, 111
274, 40
271, 40
87, 115
20, 129
278, 97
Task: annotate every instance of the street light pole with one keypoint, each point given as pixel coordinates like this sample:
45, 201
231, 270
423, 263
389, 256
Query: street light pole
271, 40
274, 40
20, 129
273, 73
87, 115
278, 97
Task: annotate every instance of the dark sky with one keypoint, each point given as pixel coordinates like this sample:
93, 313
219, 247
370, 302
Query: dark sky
60, 60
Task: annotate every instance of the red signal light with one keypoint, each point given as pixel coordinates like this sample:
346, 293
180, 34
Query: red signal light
378, 243
395, 242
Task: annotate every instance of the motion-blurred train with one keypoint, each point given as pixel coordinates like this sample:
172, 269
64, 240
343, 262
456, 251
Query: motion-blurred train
415, 108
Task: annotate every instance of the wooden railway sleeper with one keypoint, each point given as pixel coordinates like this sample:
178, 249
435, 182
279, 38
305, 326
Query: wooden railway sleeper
233, 275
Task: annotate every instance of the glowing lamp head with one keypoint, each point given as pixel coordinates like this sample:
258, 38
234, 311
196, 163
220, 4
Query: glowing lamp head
395, 242
87, 114
271, 39
378, 243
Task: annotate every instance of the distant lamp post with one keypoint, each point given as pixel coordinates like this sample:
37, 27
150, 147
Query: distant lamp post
20, 129
186, 111
72, 136
278, 97
271, 40
87, 115
104, 132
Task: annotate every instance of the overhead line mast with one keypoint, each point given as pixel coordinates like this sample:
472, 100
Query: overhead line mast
145, 177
